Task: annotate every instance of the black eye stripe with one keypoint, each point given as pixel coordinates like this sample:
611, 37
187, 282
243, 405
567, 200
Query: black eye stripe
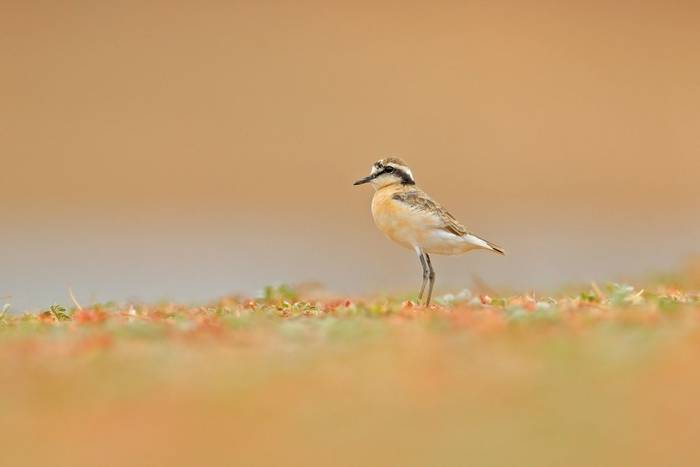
405, 177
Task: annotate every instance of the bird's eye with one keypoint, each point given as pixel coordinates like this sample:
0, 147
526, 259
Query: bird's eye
388, 169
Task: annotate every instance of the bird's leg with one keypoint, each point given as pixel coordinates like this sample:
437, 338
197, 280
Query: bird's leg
431, 276
425, 275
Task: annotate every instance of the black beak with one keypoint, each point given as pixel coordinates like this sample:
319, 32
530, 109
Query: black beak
366, 179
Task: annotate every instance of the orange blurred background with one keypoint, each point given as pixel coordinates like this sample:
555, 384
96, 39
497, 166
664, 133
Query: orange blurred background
185, 150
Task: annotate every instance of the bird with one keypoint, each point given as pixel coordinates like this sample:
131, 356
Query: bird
410, 217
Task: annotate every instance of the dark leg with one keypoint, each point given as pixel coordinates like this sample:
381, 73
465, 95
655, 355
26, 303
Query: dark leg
424, 266
431, 276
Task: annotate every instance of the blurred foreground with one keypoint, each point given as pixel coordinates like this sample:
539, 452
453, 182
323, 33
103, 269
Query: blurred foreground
609, 376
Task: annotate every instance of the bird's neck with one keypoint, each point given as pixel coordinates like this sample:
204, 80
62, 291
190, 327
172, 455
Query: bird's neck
392, 189
391, 186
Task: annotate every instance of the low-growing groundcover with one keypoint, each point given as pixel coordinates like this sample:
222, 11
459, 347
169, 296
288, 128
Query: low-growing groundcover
608, 376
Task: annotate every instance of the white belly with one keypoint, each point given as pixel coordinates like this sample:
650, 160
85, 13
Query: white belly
442, 242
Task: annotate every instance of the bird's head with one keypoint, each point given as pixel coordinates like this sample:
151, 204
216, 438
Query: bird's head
389, 171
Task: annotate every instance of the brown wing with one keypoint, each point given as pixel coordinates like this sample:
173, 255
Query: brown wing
420, 201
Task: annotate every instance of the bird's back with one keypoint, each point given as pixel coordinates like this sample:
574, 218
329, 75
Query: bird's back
411, 218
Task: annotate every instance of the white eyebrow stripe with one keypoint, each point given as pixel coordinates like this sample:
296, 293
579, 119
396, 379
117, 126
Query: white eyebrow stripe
404, 169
